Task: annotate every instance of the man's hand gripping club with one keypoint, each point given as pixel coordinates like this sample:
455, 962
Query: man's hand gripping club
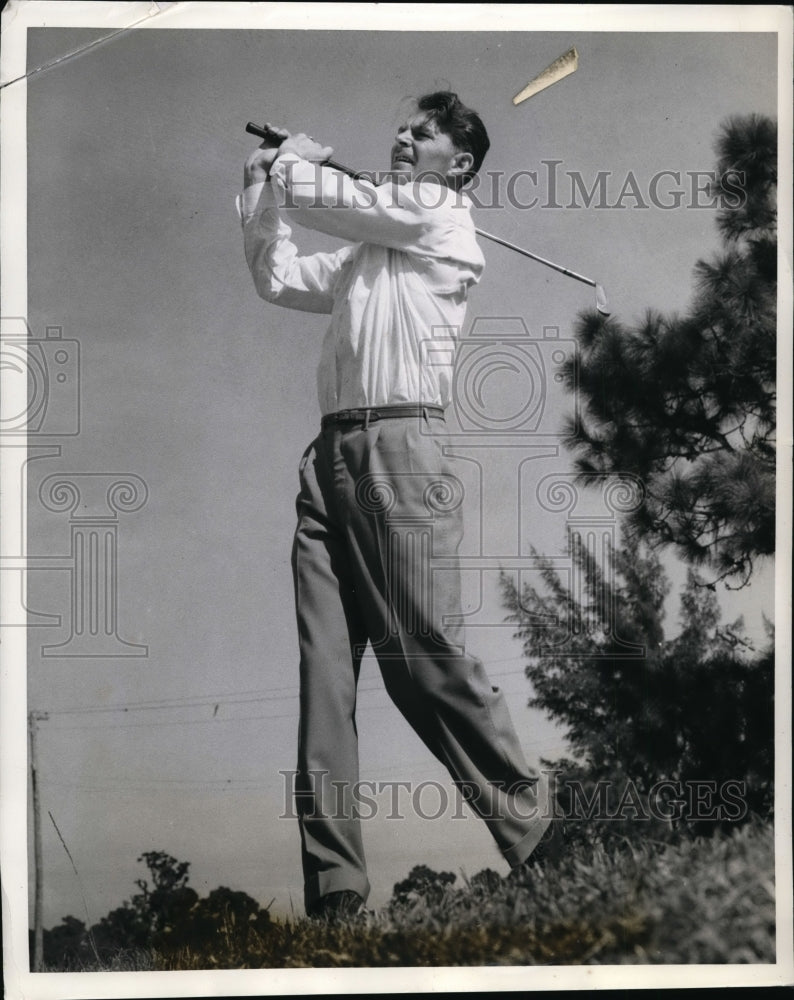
279, 141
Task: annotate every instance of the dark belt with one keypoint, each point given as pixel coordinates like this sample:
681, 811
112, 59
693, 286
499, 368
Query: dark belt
365, 415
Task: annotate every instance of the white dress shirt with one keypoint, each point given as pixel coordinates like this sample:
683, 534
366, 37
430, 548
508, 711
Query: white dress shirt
397, 296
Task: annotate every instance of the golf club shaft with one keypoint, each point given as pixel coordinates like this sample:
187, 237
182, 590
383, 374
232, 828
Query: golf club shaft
534, 256
265, 133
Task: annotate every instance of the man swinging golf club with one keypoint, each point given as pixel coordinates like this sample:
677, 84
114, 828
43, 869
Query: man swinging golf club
379, 463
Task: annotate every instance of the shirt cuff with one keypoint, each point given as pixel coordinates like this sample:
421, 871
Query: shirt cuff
279, 168
254, 199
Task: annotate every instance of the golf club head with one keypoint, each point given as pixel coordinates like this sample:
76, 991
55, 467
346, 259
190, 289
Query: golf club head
567, 63
601, 300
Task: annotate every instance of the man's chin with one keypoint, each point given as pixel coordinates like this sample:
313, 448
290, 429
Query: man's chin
399, 173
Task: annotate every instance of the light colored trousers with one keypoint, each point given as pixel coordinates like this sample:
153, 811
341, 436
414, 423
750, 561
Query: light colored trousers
378, 508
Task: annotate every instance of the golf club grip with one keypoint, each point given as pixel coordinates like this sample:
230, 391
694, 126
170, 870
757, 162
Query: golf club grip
264, 133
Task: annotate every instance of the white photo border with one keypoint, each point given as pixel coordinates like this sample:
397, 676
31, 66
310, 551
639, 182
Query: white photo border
20, 16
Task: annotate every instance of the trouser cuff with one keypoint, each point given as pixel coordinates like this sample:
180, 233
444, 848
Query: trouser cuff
519, 852
334, 881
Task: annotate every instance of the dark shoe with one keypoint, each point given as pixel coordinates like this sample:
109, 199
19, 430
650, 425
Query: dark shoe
550, 847
336, 905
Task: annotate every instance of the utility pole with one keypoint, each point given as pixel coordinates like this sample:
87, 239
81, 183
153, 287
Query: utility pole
38, 930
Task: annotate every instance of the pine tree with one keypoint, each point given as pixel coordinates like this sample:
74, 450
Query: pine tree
687, 403
637, 708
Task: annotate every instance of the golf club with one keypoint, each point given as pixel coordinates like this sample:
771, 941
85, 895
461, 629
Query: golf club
263, 132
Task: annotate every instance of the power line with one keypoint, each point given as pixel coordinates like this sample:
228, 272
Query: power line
216, 701
257, 695
194, 701
122, 786
217, 720
174, 722
156, 781
416, 767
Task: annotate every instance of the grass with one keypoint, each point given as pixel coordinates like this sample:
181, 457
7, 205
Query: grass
701, 901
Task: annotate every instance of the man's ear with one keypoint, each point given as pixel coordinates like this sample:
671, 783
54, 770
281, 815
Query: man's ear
462, 163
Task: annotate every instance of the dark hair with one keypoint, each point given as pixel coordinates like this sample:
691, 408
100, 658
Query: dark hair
463, 125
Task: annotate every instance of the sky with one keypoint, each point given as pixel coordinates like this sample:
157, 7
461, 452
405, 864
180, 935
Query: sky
207, 394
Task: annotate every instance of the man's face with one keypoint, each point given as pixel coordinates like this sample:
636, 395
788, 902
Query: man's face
420, 148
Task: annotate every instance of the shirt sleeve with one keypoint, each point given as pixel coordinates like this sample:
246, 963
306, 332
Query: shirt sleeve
426, 219
280, 275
